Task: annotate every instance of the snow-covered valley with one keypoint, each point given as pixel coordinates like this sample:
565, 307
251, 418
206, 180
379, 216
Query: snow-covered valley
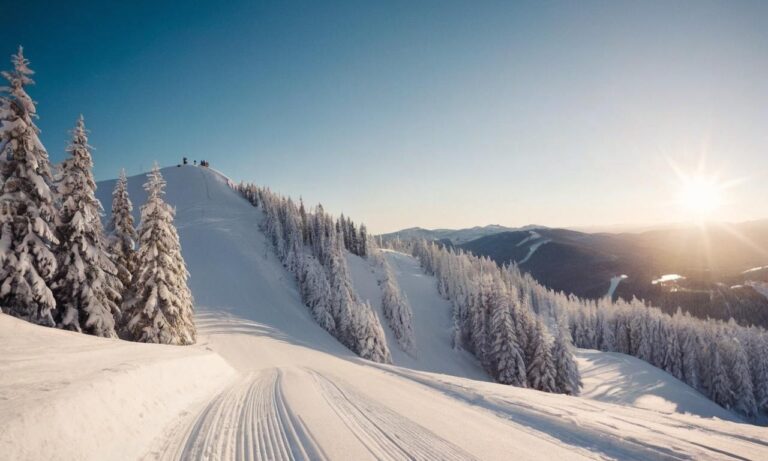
265, 381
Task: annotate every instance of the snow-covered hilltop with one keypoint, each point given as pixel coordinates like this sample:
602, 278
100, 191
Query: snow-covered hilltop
266, 381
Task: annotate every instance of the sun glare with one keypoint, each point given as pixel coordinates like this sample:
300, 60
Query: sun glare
700, 196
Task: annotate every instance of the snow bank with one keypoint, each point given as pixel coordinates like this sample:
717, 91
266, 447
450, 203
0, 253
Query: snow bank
71, 396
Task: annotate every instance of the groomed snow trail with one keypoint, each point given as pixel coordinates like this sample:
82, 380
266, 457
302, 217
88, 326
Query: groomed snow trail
388, 435
248, 421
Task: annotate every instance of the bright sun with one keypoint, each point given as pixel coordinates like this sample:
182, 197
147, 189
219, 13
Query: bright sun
700, 195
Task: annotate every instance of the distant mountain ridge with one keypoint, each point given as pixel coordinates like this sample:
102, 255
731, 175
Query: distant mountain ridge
714, 263
454, 236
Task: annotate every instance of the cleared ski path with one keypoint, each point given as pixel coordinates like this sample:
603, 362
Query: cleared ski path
297, 394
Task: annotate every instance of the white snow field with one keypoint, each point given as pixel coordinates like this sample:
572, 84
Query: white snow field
265, 382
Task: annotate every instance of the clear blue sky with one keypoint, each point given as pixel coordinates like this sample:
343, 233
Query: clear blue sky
436, 114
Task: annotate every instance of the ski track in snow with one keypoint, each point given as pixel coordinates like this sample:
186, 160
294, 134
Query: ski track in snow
386, 434
250, 420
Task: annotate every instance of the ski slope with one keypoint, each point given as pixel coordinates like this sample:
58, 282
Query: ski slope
625, 380
432, 320
265, 382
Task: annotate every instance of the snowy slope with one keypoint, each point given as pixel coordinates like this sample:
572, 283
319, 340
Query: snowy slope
626, 380
296, 393
432, 322
234, 272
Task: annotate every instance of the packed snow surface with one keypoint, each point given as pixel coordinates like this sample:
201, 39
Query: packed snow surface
265, 382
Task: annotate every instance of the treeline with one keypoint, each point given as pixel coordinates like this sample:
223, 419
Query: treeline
58, 267
311, 244
724, 361
394, 305
494, 319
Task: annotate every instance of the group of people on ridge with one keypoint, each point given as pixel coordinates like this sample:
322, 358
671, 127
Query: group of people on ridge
194, 162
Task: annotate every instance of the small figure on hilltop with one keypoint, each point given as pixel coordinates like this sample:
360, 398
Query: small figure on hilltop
184, 161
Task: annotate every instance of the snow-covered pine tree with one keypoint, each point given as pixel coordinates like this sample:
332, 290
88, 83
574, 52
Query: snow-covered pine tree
122, 233
362, 241
316, 292
671, 361
81, 287
505, 357
541, 367
760, 371
607, 334
27, 264
456, 335
567, 377
397, 311
690, 352
368, 337
719, 385
741, 381
159, 308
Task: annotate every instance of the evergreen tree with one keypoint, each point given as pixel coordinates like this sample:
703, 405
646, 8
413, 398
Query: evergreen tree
122, 241
369, 341
607, 335
567, 378
541, 368
671, 361
456, 335
362, 241
27, 264
159, 309
86, 301
760, 371
741, 381
316, 292
505, 358
690, 354
397, 311
719, 385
